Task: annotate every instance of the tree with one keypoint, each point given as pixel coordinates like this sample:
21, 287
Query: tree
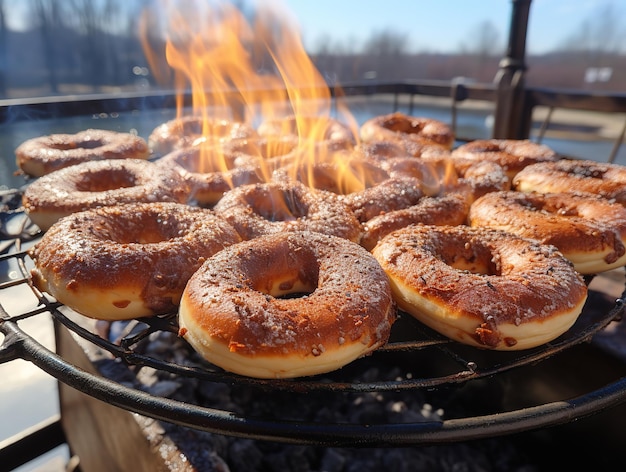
593, 49
599, 34
3, 50
483, 41
483, 44
384, 51
386, 43
48, 16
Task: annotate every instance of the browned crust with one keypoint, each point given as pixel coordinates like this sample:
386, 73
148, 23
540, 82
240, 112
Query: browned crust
318, 129
389, 195
400, 146
512, 154
450, 209
210, 172
275, 207
481, 277
184, 132
566, 175
146, 249
399, 127
45, 154
574, 223
234, 297
100, 183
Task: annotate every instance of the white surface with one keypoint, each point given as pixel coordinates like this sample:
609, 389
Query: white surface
28, 395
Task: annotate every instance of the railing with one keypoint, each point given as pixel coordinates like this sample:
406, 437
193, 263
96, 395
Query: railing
456, 92
31, 443
554, 99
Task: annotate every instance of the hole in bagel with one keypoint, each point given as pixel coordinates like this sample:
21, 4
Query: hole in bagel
107, 179
405, 126
86, 144
145, 228
291, 288
466, 255
277, 204
295, 295
205, 158
283, 274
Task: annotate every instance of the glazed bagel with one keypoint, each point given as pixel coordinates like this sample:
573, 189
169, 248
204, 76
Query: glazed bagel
398, 127
512, 154
589, 230
340, 173
482, 287
270, 153
390, 195
400, 147
276, 207
181, 133
450, 209
127, 261
210, 172
97, 184
312, 132
567, 175
482, 177
42, 155
287, 305
362, 184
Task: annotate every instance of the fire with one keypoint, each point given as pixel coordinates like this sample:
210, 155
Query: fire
253, 68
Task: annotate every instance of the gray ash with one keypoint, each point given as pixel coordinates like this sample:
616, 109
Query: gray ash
204, 451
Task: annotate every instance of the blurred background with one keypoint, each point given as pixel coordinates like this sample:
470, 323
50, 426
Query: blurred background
52, 47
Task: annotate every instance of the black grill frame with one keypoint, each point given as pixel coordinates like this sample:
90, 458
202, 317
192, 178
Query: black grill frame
468, 364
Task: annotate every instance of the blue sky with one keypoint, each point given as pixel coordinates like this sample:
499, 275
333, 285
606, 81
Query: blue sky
442, 25
429, 25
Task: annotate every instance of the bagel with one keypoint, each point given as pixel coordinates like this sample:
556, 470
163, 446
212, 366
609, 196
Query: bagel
482, 287
127, 261
42, 155
589, 230
287, 305
188, 131
448, 209
567, 175
98, 184
399, 127
210, 172
275, 207
511, 154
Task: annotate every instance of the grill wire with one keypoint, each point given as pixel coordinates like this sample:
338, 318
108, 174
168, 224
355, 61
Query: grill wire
416, 361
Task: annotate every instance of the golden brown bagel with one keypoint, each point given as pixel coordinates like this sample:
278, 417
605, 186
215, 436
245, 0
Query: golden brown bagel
127, 261
42, 155
400, 127
482, 287
589, 230
287, 305
98, 184
512, 154
572, 175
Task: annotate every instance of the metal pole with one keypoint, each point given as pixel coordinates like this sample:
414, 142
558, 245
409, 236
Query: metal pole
509, 111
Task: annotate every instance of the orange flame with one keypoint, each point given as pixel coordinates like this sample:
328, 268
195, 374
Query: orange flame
256, 72
230, 64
